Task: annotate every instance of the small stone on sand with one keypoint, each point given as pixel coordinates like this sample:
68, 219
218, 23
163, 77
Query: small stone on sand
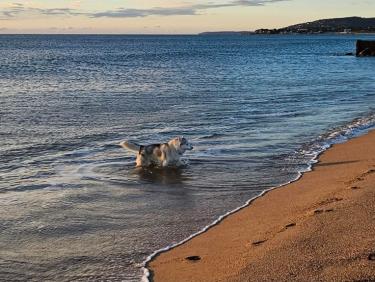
290, 225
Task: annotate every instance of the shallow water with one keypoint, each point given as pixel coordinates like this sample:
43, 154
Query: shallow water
257, 108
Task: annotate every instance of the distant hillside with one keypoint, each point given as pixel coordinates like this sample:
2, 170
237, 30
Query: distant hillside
225, 33
342, 25
355, 24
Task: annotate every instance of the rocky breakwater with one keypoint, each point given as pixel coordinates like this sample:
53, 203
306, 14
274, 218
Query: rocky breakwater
365, 48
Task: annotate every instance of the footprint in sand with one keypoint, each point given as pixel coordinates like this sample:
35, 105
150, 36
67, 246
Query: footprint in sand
193, 258
357, 179
318, 211
329, 201
287, 227
257, 243
361, 177
368, 172
371, 257
355, 187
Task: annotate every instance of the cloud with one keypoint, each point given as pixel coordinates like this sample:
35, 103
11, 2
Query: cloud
178, 11
13, 10
134, 13
17, 9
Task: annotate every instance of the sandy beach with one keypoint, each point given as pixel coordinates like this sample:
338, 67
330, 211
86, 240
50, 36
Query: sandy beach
319, 228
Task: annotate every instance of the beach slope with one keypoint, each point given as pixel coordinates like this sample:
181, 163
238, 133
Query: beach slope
319, 228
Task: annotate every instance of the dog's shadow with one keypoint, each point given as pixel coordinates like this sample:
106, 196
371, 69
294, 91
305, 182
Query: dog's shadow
165, 176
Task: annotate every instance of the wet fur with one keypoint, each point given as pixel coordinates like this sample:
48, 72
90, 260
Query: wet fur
159, 155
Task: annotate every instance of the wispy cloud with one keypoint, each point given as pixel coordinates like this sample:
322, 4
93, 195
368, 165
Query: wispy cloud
12, 11
185, 10
18, 9
135, 13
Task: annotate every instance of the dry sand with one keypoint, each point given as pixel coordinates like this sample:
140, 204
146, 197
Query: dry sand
319, 228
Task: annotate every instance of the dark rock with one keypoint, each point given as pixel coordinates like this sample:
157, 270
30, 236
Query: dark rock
290, 225
193, 258
371, 256
365, 48
365, 52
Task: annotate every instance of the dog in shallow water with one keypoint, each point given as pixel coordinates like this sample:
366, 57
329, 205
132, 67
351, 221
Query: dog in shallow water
159, 155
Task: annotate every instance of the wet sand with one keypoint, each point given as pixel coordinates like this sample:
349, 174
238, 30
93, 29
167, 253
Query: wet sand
319, 228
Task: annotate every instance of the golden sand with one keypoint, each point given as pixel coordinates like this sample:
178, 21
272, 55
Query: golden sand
319, 228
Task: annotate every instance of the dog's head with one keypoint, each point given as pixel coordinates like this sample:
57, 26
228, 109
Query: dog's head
181, 144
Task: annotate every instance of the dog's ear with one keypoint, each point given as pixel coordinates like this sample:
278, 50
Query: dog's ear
183, 140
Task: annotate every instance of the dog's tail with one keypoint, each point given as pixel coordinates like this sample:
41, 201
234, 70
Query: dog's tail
130, 146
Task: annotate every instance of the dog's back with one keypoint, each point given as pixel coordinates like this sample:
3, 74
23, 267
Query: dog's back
146, 155
163, 155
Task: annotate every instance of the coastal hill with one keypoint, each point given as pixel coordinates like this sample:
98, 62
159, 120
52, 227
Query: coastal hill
354, 24
338, 25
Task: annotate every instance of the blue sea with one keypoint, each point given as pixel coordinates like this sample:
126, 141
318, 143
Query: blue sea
258, 109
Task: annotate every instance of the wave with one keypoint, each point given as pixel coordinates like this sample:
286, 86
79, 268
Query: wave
212, 136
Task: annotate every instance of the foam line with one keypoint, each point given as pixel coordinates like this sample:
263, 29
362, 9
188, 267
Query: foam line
340, 135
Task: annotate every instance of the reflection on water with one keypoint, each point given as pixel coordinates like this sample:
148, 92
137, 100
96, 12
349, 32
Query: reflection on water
73, 207
163, 176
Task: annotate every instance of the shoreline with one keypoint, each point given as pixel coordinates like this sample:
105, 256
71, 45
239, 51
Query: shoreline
242, 227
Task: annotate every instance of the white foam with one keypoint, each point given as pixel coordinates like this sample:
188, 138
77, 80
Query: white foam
66, 174
354, 129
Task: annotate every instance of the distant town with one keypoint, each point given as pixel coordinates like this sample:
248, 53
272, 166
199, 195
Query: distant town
337, 25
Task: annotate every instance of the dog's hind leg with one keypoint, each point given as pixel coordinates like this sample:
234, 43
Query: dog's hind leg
139, 161
163, 159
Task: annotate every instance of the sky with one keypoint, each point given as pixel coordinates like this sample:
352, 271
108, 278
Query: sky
169, 17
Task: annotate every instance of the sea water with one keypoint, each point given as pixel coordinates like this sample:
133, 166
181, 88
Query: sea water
258, 110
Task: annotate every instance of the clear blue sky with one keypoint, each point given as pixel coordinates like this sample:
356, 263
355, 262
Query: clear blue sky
174, 16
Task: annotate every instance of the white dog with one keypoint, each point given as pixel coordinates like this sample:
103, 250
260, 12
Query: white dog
161, 155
